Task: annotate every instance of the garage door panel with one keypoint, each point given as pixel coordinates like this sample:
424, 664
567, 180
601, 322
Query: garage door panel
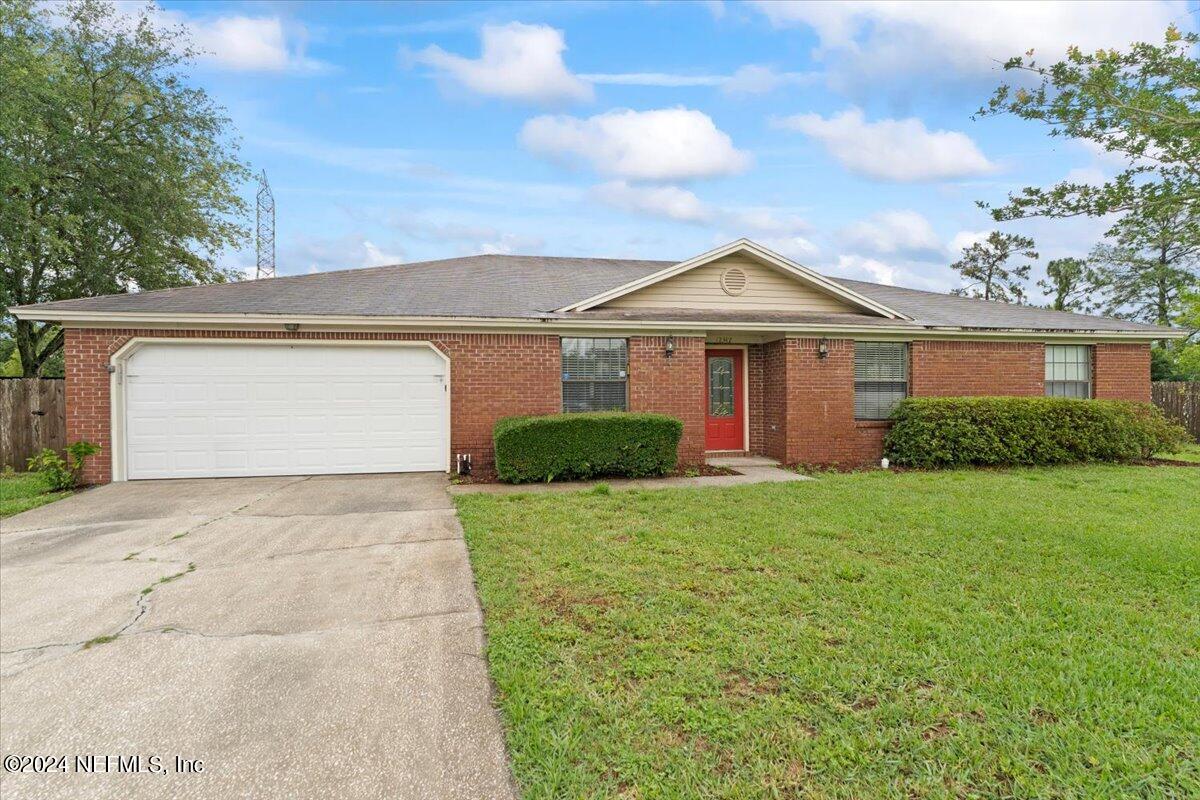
232, 460
199, 410
188, 393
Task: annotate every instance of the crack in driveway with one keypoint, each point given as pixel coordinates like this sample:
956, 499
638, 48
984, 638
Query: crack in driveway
379, 623
309, 627
142, 600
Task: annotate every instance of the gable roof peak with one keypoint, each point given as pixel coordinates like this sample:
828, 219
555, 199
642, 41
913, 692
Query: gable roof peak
778, 261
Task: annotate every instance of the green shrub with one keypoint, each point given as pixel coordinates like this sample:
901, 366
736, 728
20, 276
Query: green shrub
938, 432
60, 474
578, 446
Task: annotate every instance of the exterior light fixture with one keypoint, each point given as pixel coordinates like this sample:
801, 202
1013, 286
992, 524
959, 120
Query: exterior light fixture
823, 348
670, 348
291, 326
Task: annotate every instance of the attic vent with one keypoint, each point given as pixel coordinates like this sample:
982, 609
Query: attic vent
733, 281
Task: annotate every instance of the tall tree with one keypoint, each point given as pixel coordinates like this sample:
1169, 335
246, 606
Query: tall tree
985, 270
1150, 259
1141, 106
115, 174
1068, 283
1186, 354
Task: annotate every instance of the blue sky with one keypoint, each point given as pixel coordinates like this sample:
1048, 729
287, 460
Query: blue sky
838, 134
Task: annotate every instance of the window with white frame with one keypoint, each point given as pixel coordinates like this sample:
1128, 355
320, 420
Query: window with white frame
594, 374
880, 378
1068, 370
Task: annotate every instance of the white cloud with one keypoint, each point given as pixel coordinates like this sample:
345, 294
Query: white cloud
749, 79
666, 79
235, 42
964, 239
351, 251
682, 205
796, 247
901, 150
662, 145
671, 202
385, 161
468, 238
517, 62
504, 244
1090, 175
765, 221
875, 39
757, 79
890, 232
863, 268
374, 256
248, 44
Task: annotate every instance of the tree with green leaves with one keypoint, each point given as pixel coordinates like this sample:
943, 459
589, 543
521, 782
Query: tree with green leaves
986, 272
1183, 357
1149, 260
1068, 283
1141, 106
116, 175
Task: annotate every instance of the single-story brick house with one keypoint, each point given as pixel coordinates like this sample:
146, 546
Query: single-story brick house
408, 367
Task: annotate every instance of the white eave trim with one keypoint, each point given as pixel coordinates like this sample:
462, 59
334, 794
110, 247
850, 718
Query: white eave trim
558, 325
782, 263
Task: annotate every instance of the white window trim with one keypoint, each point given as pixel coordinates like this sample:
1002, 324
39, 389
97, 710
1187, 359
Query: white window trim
1090, 361
562, 395
908, 356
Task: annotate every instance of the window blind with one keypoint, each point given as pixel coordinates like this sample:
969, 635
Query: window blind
594, 374
880, 378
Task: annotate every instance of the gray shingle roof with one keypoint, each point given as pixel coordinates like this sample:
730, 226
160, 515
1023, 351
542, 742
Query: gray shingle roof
475, 286
944, 310
501, 286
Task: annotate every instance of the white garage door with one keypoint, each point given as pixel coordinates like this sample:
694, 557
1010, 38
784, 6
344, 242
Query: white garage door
202, 410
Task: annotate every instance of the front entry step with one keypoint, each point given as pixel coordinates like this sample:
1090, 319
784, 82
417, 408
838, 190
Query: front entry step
740, 461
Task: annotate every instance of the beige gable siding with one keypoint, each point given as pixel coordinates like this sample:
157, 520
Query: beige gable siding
767, 289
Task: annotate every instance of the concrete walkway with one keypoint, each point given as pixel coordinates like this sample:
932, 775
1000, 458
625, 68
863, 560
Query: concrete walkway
753, 469
301, 637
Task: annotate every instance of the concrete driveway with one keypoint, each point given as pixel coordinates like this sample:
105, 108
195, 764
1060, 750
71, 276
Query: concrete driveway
299, 637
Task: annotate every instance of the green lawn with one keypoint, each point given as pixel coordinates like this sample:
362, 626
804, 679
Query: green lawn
1033, 633
1190, 452
23, 491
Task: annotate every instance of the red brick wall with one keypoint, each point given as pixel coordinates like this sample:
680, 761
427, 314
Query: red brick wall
807, 403
801, 406
969, 368
1122, 372
754, 381
673, 386
774, 399
491, 376
820, 403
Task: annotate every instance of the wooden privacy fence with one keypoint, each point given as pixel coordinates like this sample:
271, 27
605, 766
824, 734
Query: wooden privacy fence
1179, 400
33, 416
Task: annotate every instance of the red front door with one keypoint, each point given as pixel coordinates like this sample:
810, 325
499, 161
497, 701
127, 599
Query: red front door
723, 401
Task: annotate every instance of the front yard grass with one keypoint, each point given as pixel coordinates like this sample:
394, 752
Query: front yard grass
22, 491
1190, 452
1026, 633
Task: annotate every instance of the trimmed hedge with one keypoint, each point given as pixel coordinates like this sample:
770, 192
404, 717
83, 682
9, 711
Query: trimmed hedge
941, 432
585, 445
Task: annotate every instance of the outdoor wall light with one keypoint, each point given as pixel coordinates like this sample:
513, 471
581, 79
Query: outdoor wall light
670, 349
823, 348
291, 326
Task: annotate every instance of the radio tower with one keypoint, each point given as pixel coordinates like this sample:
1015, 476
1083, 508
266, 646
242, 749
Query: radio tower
266, 229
